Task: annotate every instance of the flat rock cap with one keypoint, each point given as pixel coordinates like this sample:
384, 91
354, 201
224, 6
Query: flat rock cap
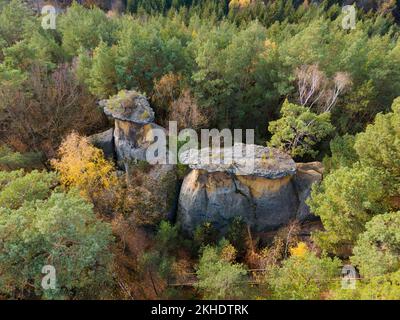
241, 159
128, 105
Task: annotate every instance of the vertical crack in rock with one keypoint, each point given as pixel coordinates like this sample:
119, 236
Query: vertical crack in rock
249, 198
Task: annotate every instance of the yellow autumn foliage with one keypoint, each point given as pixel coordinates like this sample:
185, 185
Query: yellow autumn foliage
300, 250
228, 253
239, 3
84, 167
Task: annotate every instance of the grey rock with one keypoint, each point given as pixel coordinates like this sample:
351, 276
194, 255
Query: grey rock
307, 175
218, 197
132, 139
264, 201
128, 106
134, 127
241, 159
105, 142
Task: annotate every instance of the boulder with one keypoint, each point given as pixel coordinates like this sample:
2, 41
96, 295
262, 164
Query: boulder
104, 141
262, 185
132, 139
267, 198
218, 197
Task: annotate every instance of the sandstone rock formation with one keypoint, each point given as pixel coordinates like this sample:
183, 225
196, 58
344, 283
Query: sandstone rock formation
133, 132
307, 174
105, 142
262, 185
266, 199
241, 159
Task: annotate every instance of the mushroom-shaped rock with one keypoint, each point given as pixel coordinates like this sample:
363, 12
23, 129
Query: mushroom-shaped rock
134, 126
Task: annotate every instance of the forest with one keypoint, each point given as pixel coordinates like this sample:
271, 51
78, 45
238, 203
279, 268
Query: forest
288, 69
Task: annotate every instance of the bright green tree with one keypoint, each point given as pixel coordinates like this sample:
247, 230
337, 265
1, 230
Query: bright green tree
385, 287
22, 188
84, 28
379, 147
16, 21
219, 278
343, 153
345, 201
377, 249
299, 130
303, 276
63, 232
102, 79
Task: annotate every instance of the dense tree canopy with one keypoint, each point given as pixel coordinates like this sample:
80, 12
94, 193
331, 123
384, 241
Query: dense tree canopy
322, 92
39, 228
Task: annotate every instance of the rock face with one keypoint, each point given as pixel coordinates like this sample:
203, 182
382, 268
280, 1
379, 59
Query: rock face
307, 174
265, 199
133, 132
104, 141
241, 159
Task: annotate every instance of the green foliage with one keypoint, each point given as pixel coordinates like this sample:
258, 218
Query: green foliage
343, 153
84, 28
218, 278
8, 176
26, 188
205, 234
10, 160
144, 54
167, 237
61, 231
16, 21
299, 130
377, 249
160, 260
379, 146
237, 61
385, 287
237, 234
350, 196
304, 277
102, 78
239, 74
24, 43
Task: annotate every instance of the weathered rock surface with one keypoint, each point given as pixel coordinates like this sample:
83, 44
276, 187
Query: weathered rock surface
264, 199
104, 141
134, 126
128, 106
256, 161
262, 185
132, 139
307, 175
